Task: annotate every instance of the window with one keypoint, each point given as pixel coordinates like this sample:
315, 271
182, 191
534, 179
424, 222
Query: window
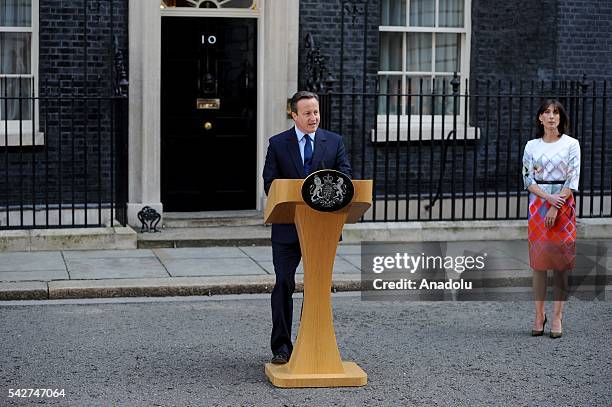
422, 44
18, 70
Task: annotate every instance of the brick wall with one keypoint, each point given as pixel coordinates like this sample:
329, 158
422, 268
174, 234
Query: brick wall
514, 39
541, 40
584, 39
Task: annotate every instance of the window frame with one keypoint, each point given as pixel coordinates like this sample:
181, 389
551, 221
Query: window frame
425, 121
20, 131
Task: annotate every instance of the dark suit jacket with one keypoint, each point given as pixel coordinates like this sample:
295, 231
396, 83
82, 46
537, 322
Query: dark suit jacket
284, 161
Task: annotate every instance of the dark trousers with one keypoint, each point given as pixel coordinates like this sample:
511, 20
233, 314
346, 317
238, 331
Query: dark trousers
286, 257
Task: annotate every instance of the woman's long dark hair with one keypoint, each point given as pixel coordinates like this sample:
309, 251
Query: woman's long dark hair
563, 117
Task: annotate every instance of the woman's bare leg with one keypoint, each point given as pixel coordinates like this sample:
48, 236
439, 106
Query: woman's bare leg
560, 290
539, 297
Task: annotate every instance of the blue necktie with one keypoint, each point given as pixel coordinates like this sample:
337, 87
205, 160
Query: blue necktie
307, 154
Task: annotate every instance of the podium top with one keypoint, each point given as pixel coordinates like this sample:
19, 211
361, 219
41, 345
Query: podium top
285, 194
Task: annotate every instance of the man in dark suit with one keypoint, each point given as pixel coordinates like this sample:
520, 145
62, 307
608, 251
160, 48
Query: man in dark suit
293, 154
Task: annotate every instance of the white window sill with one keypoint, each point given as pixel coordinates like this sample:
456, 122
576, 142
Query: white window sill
20, 137
379, 135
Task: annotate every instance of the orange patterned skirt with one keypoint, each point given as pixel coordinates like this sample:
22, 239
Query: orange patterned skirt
551, 248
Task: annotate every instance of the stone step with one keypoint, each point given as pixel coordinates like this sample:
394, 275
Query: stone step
250, 235
212, 219
28, 240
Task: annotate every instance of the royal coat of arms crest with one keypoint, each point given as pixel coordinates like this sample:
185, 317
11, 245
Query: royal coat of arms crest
327, 190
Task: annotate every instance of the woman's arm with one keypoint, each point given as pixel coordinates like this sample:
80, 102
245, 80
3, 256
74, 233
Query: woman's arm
573, 169
566, 193
556, 200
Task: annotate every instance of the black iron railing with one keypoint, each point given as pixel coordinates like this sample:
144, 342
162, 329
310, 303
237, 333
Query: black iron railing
63, 162
455, 153
63, 127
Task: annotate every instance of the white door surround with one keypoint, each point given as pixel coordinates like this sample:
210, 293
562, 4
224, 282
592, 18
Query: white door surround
277, 69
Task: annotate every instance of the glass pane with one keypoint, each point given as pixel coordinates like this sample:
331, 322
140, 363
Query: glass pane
208, 3
444, 95
389, 84
236, 3
422, 13
393, 12
16, 13
418, 52
15, 53
448, 52
420, 95
390, 51
451, 13
14, 88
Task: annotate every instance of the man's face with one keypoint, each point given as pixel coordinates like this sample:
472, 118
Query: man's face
307, 118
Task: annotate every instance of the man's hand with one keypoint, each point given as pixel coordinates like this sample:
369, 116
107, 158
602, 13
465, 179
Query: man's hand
551, 215
556, 200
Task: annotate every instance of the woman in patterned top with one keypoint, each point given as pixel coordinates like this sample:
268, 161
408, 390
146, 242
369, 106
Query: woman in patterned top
551, 169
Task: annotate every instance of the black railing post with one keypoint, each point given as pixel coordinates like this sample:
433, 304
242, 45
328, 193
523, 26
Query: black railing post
73, 151
420, 149
363, 140
519, 181
431, 150
33, 139
584, 86
122, 161
455, 83
476, 143
497, 144
465, 136
509, 139
386, 173
604, 103
408, 142
46, 147
352, 132
6, 152
592, 174
398, 115
486, 163
21, 174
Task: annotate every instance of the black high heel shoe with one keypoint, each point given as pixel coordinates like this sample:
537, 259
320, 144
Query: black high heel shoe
555, 335
540, 333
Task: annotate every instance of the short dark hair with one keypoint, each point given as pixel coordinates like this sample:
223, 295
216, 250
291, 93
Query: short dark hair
303, 94
563, 126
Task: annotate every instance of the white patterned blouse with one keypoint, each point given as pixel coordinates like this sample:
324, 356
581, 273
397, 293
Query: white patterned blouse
557, 161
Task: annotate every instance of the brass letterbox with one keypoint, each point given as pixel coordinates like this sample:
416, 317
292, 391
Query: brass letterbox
208, 104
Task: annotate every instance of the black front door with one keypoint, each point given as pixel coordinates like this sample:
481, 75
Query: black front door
208, 117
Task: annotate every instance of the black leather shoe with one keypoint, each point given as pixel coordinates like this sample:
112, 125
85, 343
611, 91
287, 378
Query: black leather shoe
280, 358
539, 333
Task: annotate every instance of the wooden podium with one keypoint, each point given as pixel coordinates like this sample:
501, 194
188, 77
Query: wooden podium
315, 361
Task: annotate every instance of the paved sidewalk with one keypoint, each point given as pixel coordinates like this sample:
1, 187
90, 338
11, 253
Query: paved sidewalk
208, 270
